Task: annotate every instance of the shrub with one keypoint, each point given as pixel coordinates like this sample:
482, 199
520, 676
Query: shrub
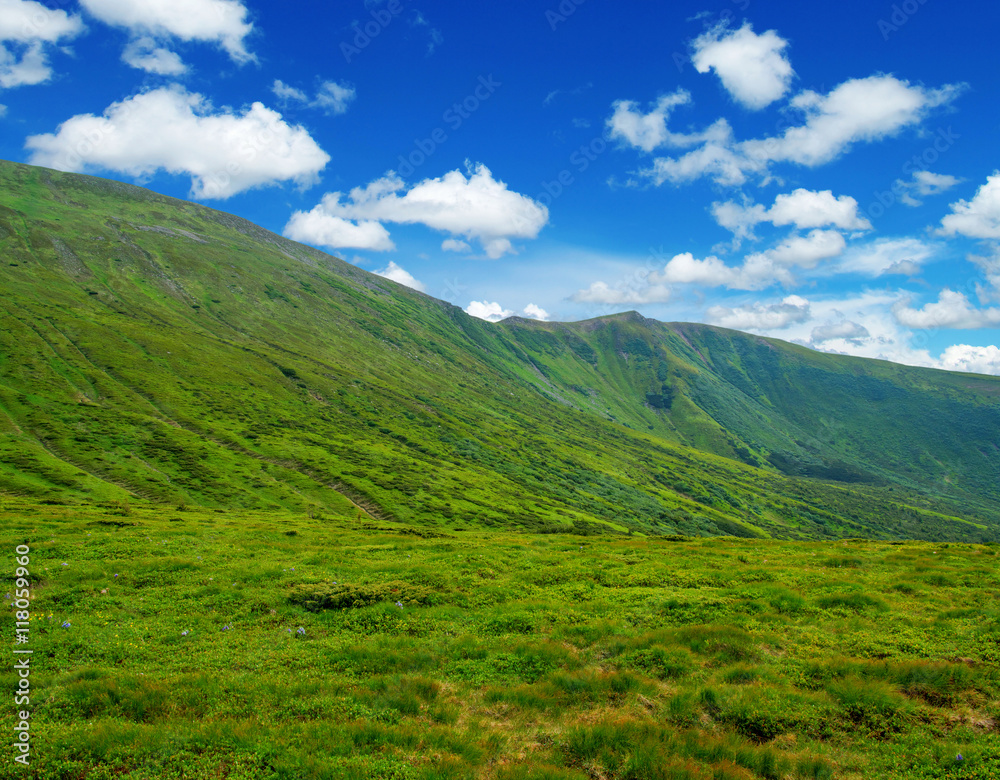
872, 705
660, 662
317, 598
854, 602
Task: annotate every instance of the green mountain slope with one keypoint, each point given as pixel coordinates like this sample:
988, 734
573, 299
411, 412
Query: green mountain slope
777, 405
153, 349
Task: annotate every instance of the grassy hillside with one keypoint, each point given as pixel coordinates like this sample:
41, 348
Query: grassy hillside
266, 645
777, 405
157, 350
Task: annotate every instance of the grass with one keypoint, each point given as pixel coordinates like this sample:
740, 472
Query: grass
494, 655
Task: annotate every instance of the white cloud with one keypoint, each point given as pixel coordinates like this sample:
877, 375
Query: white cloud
209, 21
870, 310
334, 98
886, 256
927, 183
494, 312
978, 218
27, 28
923, 183
859, 110
762, 269
454, 245
144, 54
806, 251
739, 219
952, 310
321, 229
806, 209
647, 131
864, 325
173, 130
990, 266
801, 208
3, 110
687, 269
866, 109
397, 274
475, 207
775, 316
531, 311
435, 38
977, 360
331, 98
845, 329
752, 67
491, 312
286, 92
30, 68
26, 21
639, 293
758, 271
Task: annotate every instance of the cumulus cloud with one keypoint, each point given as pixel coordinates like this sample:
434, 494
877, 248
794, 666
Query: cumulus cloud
806, 209
494, 312
952, 310
740, 219
886, 256
400, 275
923, 183
491, 312
648, 131
758, 271
866, 109
802, 208
455, 245
752, 67
170, 129
288, 93
144, 54
859, 110
637, 293
687, 269
850, 331
807, 251
990, 266
27, 30
334, 98
977, 360
775, 316
223, 22
331, 98
474, 206
531, 311
319, 228
978, 218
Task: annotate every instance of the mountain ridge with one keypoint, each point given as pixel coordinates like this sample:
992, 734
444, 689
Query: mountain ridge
155, 348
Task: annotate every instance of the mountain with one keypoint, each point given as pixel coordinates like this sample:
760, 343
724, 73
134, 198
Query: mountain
157, 350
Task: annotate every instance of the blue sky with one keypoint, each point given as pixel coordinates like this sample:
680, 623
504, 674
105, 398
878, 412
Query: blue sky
824, 173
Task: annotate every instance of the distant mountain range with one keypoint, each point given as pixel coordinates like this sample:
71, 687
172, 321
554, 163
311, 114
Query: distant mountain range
155, 349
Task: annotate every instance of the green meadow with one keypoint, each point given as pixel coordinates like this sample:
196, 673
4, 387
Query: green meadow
265, 645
